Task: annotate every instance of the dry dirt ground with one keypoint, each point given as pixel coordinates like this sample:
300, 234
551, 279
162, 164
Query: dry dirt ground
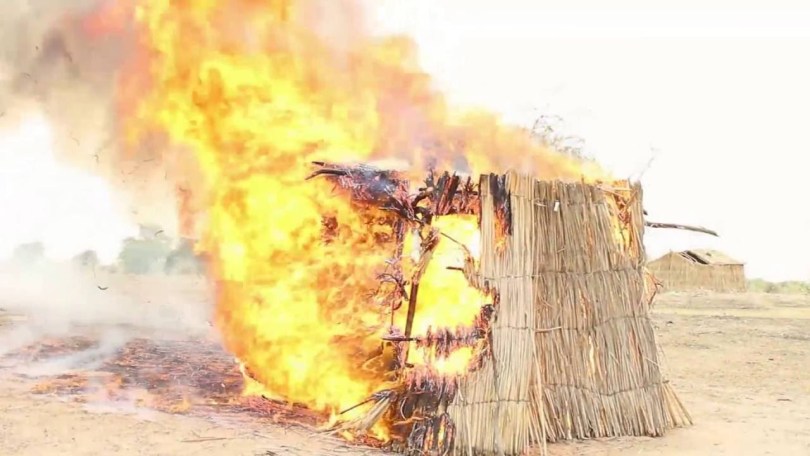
739, 363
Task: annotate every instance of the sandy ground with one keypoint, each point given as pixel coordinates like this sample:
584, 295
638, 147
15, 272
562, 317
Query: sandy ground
739, 363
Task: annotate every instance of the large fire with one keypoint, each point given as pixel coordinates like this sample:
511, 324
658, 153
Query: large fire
257, 90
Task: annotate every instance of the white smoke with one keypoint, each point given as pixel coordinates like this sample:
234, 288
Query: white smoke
60, 300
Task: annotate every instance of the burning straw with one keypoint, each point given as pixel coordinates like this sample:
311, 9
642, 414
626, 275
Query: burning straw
564, 350
415, 409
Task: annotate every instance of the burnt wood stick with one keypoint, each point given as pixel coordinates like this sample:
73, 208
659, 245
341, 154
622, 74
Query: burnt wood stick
428, 246
421, 339
420, 196
677, 226
410, 316
445, 199
438, 193
399, 233
366, 401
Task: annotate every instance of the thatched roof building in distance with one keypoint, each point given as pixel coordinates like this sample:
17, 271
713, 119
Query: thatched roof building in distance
691, 270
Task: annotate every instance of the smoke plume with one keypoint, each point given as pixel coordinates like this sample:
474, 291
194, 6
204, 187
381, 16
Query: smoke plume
62, 59
59, 300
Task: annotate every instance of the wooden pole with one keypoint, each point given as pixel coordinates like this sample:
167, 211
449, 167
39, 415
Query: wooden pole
677, 226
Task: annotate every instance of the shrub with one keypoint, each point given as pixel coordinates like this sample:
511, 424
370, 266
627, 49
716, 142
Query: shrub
29, 254
87, 259
789, 287
143, 256
183, 260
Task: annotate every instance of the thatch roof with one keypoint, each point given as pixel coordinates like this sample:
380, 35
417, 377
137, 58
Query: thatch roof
709, 257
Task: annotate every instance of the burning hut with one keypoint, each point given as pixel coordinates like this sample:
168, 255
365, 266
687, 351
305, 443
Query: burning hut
341, 303
699, 270
563, 350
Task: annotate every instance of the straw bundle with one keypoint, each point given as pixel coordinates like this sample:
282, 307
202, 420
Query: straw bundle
573, 349
494, 412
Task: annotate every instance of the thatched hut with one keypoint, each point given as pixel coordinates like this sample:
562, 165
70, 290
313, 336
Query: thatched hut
699, 270
573, 351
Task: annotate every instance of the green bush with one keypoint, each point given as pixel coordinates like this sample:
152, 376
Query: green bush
788, 287
29, 254
87, 259
143, 256
183, 260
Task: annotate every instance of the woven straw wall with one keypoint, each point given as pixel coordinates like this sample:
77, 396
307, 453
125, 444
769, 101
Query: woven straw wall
494, 410
574, 352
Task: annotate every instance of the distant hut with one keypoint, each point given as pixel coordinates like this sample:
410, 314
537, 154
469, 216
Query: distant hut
699, 270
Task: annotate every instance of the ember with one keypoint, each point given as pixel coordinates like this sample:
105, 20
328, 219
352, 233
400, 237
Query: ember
187, 376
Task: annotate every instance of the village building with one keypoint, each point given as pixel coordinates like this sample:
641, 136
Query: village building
691, 270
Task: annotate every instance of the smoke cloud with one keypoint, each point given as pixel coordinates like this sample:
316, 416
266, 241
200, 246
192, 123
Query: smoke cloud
60, 300
62, 59
66, 181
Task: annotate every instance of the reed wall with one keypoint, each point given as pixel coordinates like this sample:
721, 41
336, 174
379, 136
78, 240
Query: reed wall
574, 354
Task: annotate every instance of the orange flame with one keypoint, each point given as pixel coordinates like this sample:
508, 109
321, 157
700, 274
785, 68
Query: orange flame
259, 89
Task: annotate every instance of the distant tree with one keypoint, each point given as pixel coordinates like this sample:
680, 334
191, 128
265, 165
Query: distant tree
184, 260
29, 254
144, 255
87, 259
109, 268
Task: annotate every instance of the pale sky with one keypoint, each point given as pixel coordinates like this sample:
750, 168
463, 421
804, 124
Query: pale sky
720, 90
